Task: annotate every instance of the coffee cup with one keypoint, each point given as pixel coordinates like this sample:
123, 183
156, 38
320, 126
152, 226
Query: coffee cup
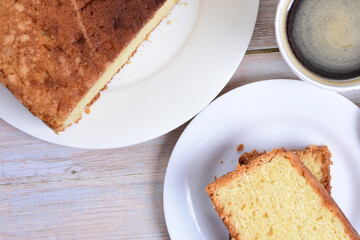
320, 44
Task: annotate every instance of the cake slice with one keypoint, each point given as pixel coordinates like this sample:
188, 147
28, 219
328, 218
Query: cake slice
316, 158
57, 55
276, 197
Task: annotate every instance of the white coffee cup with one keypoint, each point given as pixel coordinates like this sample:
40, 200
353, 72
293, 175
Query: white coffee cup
296, 66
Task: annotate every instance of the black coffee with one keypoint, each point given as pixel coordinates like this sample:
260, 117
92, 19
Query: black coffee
325, 36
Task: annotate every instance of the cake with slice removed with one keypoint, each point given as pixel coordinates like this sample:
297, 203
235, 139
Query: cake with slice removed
57, 55
275, 196
316, 158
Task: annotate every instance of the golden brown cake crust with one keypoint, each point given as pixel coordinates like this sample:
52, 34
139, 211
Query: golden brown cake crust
54, 51
322, 151
328, 200
325, 154
299, 166
240, 169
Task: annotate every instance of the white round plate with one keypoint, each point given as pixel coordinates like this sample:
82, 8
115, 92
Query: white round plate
188, 59
263, 115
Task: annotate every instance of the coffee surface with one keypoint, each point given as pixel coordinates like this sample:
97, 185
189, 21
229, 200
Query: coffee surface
325, 36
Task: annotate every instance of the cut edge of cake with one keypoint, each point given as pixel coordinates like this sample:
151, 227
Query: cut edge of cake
302, 170
116, 66
324, 154
321, 153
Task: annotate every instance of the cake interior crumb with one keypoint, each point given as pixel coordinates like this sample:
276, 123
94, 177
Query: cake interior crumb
240, 147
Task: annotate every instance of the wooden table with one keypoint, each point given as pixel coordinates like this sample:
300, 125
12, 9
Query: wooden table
54, 192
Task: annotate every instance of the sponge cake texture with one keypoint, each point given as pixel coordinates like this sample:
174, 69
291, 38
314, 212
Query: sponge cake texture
316, 158
57, 55
277, 197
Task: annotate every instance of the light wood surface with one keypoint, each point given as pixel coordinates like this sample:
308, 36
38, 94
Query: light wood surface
54, 192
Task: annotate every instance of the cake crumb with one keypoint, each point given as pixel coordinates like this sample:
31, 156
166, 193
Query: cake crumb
240, 147
168, 23
87, 110
215, 178
104, 88
221, 162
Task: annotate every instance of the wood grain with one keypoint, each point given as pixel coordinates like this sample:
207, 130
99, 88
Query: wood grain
65, 193
264, 33
54, 192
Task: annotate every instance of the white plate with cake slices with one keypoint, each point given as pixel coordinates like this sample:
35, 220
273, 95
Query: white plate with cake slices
263, 116
186, 62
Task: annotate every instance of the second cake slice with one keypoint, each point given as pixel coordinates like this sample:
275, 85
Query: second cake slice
316, 158
276, 197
